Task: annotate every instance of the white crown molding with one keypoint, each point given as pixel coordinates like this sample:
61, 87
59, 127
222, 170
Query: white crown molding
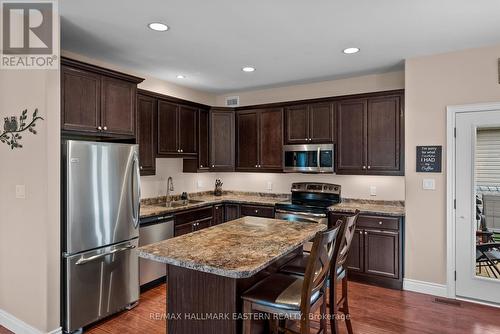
429, 288
18, 326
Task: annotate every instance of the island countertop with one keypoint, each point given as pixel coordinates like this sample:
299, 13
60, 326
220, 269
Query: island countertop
236, 249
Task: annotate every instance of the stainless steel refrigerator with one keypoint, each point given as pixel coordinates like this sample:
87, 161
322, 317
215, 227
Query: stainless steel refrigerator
100, 230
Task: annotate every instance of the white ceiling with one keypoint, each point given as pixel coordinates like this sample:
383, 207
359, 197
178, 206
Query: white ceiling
288, 41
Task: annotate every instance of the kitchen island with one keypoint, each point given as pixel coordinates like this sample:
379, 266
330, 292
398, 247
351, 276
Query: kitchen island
208, 270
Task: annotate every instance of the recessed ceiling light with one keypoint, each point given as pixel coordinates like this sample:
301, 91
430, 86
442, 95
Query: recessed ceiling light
350, 51
248, 69
180, 76
157, 26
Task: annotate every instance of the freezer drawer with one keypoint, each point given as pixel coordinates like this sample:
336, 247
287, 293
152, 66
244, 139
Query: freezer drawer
149, 234
99, 283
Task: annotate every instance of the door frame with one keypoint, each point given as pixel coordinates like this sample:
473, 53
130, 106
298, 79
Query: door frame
451, 113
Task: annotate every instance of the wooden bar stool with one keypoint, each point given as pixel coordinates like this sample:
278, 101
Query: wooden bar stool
286, 297
297, 267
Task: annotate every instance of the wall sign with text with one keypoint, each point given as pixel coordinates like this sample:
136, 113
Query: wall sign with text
429, 159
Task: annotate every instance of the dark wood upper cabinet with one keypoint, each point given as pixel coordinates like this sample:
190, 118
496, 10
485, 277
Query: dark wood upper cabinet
247, 140
309, 123
321, 123
146, 133
351, 136
259, 143
118, 106
383, 134
271, 139
97, 101
168, 126
177, 129
203, 139
187, 129
81, 100
297, 124
370, 136
222, 138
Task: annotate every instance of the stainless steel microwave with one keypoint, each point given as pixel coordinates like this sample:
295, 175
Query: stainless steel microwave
308, 158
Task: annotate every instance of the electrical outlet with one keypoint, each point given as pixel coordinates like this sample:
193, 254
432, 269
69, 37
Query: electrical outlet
373, 191
199, 183
269, 186
20, 191
429, 184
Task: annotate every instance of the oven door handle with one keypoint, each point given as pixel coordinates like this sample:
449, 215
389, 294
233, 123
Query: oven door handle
307, 214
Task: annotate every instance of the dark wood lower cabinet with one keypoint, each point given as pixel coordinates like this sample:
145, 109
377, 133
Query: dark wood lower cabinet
376, 253
231, 212
218, 214
257, 211
192, 220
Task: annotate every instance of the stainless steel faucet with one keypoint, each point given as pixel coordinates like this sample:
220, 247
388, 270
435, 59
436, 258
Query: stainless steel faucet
170, 187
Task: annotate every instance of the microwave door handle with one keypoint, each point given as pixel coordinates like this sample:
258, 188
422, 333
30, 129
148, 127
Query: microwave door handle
317, 159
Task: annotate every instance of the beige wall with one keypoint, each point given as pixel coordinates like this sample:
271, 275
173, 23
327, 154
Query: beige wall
431, 84
29, 228
355, 85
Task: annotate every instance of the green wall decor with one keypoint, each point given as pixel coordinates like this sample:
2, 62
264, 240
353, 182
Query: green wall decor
12, 129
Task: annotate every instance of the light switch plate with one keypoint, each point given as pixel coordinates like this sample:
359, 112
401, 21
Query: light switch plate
429, 184
20, 191
373, 191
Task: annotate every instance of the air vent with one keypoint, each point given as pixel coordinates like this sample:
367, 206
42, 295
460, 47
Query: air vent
232, 101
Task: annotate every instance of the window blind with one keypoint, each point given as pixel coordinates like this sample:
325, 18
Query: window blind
488, 158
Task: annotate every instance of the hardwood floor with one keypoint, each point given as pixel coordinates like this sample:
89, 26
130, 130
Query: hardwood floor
374, 310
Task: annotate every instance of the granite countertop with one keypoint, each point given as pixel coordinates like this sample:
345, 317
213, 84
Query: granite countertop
386, 208
236, 249
151, 207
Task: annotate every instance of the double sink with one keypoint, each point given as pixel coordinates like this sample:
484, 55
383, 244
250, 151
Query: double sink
180, 203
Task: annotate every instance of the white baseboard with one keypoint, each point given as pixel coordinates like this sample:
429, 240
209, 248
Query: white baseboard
429, 288
18, 326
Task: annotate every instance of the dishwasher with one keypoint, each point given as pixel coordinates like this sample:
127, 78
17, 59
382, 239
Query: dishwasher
153, 230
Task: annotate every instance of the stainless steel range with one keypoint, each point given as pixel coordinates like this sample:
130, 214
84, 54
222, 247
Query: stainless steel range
309, 202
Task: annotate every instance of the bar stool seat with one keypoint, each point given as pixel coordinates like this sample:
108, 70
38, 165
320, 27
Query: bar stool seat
279, 291
297, 267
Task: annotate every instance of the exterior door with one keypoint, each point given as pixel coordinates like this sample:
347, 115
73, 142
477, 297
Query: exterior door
477, 251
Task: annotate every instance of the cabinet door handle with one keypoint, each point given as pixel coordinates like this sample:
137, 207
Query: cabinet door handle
380, 223
201, 166
213, 165
141, 168
364, 167
182, 151
360, 232
105, 128
369, 167
99, 128
256, 211
366, 233
256, 166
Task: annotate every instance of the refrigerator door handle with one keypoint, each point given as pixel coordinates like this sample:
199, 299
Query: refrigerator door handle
136, 200
99, 256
